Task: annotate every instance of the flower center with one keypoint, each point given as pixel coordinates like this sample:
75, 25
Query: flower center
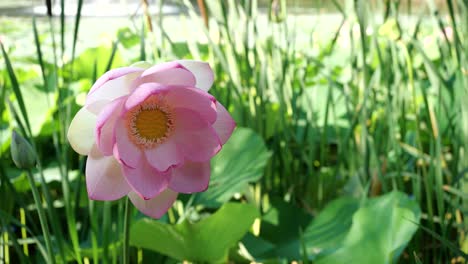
150, 123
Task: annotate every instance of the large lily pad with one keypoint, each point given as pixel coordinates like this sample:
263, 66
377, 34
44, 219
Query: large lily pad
241, 161
281, 226
205, 241
377, 232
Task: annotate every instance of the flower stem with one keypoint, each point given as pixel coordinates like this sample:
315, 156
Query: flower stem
126, 239
42, 217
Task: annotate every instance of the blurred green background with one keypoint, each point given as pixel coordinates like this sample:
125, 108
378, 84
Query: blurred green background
351, 144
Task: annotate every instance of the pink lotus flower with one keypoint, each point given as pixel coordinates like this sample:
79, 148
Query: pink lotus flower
149, 133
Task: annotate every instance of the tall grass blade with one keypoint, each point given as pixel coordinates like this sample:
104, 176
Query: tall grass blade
16, 90
76, 29
446, 243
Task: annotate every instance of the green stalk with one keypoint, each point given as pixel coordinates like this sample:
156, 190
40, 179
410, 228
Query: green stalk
126, 239
427, 185
42, 217
76, 29
106, 229
55, 138
27, 132
94, 233
360, 7
62, 26
8, 236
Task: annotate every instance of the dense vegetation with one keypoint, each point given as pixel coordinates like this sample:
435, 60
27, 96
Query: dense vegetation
351, 144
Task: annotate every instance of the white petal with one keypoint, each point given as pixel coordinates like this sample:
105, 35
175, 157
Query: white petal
81, 131
155, 207
113, 89
104, 177
202, 71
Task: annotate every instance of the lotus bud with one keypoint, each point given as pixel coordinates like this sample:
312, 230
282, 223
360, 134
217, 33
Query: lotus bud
22, 152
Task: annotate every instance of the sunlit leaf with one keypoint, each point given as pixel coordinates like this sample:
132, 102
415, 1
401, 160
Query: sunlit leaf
38, 107
281, 226
242, 160
377, 232
83, 64
205, 241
